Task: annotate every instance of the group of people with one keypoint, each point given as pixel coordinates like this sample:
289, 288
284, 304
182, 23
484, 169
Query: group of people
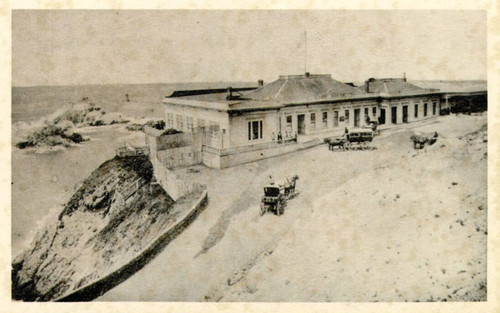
288, 136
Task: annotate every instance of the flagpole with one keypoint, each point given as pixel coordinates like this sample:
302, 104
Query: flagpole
305, 52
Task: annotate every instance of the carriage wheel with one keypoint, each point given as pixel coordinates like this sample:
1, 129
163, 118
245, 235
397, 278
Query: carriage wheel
365, 145
347, 146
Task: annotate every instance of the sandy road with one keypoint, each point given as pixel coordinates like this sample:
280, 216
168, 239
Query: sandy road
230, 235
229, 240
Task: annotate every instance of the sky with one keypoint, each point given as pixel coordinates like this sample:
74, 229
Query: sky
71, 47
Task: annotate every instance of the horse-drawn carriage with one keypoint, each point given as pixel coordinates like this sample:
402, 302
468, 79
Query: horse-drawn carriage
419, 140
275, 196
359, 138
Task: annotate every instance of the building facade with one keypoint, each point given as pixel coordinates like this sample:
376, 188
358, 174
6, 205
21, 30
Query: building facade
292, 112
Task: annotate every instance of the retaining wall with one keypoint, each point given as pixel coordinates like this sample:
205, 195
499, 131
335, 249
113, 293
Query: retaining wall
180, 157
121, 273
173, 185
235, 158
222, 158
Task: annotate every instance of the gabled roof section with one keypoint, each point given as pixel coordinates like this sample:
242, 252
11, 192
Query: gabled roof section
300, 88
392, 86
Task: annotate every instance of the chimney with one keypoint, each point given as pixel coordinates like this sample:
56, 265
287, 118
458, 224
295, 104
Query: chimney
368, 83
261, 83
308, 74
229, 95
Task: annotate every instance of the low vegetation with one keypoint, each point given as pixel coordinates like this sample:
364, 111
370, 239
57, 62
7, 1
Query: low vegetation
58, 130
158, 124
51, 135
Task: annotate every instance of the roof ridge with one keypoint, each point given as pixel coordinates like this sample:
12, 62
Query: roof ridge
282, 86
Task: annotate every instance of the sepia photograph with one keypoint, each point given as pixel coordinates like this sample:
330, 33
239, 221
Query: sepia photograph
249, 156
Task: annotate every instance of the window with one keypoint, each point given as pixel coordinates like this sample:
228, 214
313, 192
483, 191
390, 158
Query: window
200, 122
254, 130
425, 109
170, 120
335, 118
374, 111
346, 116
325, 119
189, 123
289, 123
366, 112
405, 114
394, 115
180, 123
433, 108
213, 126
313, 120
416, 110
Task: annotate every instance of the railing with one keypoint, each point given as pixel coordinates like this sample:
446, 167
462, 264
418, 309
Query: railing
124, 151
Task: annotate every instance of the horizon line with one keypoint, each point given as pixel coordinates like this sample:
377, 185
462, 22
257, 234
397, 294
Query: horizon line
213, 82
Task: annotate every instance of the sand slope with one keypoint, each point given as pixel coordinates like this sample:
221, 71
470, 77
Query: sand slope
382, 225
412, 229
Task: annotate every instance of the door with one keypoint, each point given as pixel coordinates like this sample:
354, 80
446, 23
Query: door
301, 126
405, 114
356, 117
394, 115
381, 118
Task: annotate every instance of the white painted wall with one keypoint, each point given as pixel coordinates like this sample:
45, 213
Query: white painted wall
218, 117
238, 128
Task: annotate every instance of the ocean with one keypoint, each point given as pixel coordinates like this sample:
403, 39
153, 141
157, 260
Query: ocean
42, 183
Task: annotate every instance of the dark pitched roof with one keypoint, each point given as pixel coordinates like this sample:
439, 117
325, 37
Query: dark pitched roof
300, 88
200, 92
392, 86
293, 90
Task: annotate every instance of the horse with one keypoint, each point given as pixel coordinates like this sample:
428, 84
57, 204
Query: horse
420, 141
335, 142
288, 185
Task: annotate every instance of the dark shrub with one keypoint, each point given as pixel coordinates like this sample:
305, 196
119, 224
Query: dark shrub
24, 144
171, 131
160, 125
75, 137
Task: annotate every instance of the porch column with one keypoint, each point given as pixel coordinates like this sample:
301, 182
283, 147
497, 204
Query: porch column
351, 117
399, 113
411, 111
307, 122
